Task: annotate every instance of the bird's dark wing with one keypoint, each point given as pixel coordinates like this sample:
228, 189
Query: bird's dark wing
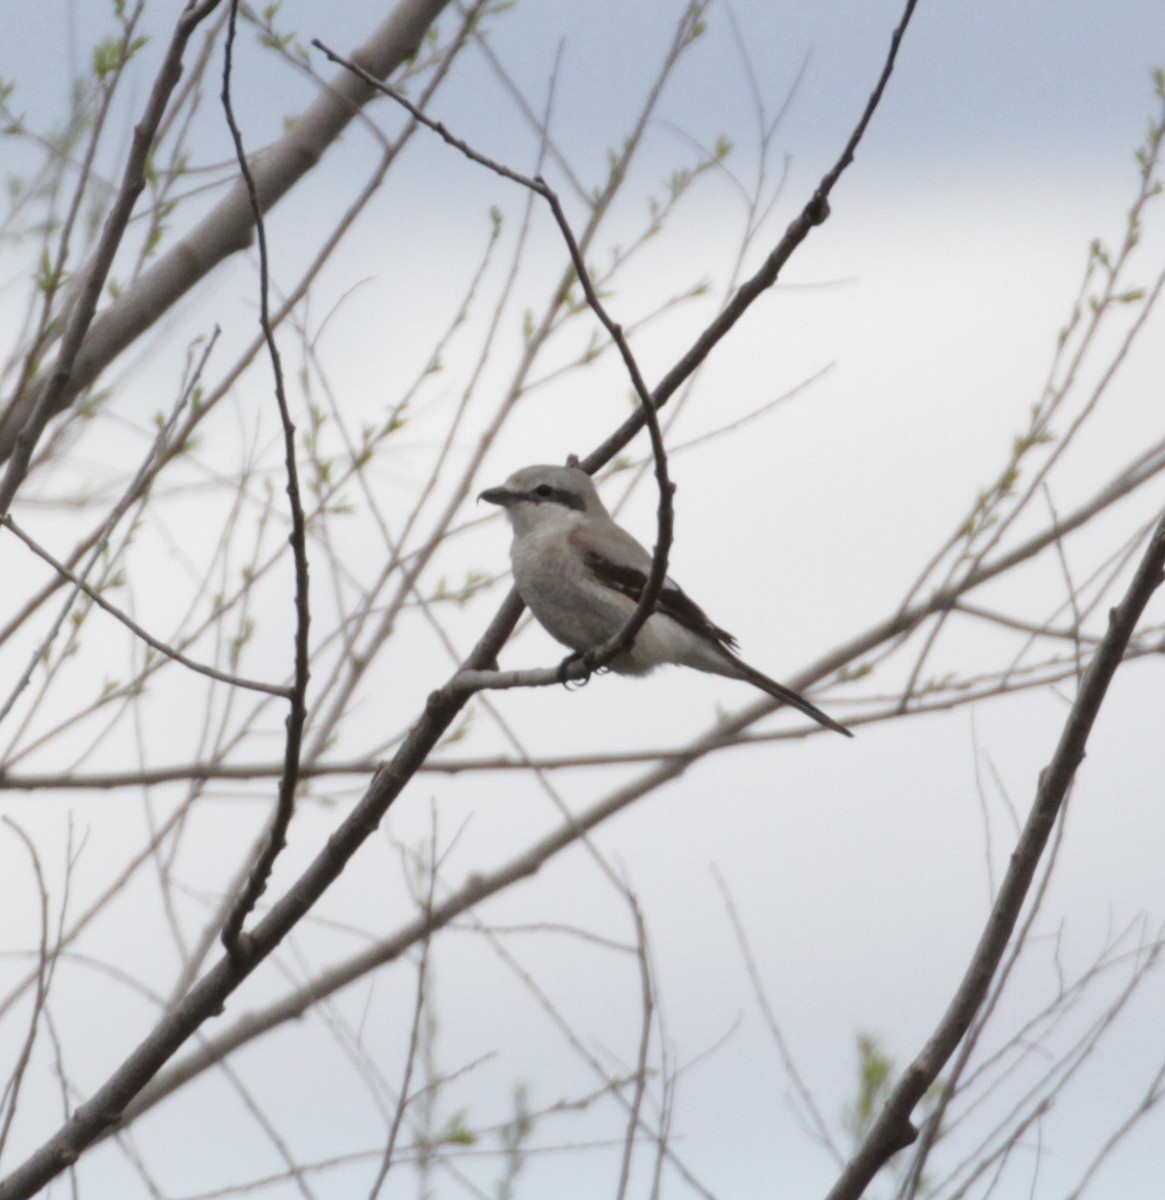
672, 601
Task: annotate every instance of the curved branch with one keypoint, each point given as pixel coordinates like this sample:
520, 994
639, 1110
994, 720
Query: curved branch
276, 839
599, 656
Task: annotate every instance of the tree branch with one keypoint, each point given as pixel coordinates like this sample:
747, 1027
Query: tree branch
276, 838
892, 1130
254, 685
25, 421
228, 228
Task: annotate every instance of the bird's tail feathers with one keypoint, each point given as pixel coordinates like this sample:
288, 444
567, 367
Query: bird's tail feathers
787, 696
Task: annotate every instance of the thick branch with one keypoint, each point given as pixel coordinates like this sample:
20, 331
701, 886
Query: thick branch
24, 422
230, 226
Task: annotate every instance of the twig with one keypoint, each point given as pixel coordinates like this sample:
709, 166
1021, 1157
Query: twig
1069, 585
818, 1129
43, 973
420, 1004
276, 838
647, 996
254, 685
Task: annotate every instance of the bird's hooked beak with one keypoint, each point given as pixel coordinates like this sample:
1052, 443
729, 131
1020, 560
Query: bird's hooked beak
498, 495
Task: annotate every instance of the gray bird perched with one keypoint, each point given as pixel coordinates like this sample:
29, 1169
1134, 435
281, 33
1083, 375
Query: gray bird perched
582, 575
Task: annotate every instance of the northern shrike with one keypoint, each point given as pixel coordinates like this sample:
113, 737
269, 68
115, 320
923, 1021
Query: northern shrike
582, 575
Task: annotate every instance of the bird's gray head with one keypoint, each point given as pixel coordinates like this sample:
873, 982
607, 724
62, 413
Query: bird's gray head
544, 493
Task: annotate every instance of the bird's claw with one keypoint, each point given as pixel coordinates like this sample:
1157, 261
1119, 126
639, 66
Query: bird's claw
590, 667
565, 666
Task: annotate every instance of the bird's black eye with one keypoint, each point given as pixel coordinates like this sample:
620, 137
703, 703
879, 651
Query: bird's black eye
544, 490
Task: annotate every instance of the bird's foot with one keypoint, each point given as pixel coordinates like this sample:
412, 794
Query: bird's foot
587, 658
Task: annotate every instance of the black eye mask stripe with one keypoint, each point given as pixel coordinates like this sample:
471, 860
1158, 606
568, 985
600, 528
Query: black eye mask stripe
557, 496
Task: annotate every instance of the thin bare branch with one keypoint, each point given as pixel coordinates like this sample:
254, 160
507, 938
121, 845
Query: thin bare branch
11, 1095
118, 614
276, 838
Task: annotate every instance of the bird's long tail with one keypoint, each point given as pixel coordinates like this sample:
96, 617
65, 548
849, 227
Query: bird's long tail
786, 695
